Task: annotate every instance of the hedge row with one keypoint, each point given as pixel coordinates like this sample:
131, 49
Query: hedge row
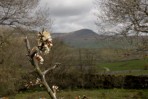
101, 81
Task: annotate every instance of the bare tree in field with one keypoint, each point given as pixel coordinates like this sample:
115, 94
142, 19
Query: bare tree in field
132, 14
23, 13
35, 55
124, 18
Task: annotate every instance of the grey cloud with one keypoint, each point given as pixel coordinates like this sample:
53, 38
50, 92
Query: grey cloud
68, 7
62, 12
75, 22
69, 10
67, 27
71, 15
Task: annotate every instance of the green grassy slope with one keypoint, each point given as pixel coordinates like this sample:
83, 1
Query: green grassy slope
130, 67
125, 65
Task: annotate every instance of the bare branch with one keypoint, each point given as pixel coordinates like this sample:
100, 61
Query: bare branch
24, 13
124, 12
27, 45
49, 69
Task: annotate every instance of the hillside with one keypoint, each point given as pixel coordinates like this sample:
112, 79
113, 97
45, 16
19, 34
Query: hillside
86, 38
83, 38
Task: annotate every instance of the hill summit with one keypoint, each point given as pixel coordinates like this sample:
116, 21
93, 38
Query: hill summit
84, 38
84, 32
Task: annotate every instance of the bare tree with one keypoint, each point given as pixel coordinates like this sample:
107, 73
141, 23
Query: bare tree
44, 45
132, 15
23, 13
126, 19
15, 11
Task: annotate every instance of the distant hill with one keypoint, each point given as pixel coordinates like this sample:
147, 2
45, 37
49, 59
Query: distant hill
83, 33
83, 38
86, 38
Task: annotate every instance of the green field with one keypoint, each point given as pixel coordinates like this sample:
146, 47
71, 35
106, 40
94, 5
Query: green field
91, 94
125, 65
133, 67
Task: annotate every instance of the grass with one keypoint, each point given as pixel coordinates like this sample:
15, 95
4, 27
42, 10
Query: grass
125, 65
91, 94
130, 67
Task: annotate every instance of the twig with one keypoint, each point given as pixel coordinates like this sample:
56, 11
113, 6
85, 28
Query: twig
51, 68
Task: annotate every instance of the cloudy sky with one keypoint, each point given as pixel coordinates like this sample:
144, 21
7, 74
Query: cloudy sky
71, 15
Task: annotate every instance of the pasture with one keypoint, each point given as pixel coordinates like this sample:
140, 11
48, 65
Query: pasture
129, 67
91, 94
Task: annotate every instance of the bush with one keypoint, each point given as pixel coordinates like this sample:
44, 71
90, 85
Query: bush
79, 80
